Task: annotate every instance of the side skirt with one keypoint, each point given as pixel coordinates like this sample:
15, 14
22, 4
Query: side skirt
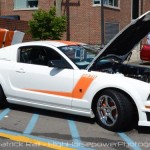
86, 113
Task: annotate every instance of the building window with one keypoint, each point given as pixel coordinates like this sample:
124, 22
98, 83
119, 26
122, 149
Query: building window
25, 4
110, 3
135, 9
111, 29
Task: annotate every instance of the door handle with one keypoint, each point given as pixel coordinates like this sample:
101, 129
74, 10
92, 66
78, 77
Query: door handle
21, 70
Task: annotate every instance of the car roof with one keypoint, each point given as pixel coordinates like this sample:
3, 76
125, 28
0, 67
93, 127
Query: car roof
55, 43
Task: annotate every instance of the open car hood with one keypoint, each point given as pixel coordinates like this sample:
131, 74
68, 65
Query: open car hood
123, 43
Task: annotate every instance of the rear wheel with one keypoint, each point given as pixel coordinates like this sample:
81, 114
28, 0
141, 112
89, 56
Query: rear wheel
3, 101
113, 110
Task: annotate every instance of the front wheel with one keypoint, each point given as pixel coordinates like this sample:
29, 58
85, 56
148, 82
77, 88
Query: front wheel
113, 110
3, 101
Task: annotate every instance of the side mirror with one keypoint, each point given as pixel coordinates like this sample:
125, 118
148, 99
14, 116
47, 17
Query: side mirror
60, 64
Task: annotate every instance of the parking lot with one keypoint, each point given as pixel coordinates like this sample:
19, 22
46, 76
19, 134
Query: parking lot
29, 128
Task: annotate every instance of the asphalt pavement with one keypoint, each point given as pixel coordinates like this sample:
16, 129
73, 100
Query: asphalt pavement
28, 128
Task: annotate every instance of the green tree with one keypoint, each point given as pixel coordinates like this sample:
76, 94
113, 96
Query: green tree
46, 25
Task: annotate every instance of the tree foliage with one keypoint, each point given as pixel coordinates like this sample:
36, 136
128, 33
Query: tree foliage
46, 25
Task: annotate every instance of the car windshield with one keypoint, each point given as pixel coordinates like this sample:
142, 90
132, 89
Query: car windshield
80, 55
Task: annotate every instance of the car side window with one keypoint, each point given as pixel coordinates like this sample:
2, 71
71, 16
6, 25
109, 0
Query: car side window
40, 55
24, 54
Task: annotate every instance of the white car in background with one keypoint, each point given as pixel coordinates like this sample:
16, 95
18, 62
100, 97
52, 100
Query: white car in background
67, 77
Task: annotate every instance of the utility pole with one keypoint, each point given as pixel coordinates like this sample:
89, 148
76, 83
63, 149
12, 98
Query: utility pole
142, 7
0, 7
58, 7
102, 23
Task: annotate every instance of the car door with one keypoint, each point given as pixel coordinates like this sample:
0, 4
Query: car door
34, 82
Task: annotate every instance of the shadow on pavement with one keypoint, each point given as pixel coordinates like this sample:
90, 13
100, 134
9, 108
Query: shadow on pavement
143, 130
52, 113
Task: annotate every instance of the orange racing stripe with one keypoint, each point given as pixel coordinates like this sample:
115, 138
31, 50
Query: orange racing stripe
78, 91
51, 92
82, 86
68, 42
147, 107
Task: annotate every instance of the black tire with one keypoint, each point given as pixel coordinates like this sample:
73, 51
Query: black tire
113, 110
3, 101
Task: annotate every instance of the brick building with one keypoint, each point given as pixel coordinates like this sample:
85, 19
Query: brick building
84, 16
